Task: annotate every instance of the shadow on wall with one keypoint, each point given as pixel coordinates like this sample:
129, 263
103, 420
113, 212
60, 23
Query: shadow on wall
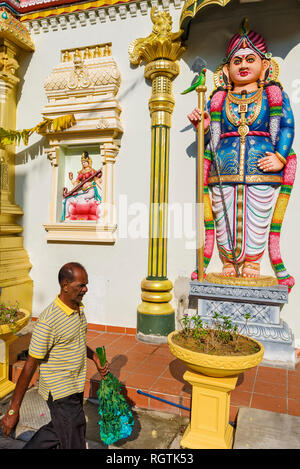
27, 155
24, 62
31, 152
132, 87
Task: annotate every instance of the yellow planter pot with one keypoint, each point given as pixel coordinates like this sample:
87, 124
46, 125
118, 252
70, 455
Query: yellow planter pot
7, 337
212, 377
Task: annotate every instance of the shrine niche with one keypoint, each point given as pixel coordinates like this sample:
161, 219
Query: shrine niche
85, 83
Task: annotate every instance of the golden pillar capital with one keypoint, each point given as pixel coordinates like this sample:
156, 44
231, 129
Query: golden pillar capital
161, 104
160, 44
160, 51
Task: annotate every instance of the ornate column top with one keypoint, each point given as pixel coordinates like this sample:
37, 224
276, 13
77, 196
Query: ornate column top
160, 44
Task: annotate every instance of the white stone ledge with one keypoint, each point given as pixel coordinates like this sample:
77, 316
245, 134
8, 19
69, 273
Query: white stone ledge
81, 232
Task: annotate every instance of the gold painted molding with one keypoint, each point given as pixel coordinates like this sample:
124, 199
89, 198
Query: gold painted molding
192, 7
13, 30
263, 281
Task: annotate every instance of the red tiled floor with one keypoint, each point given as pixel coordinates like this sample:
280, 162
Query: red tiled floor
150, 368
136, 399
240, 398
167, 386
294, 391
154, 370
294, 407
246, 380
271, 375
164, 406
271, 389
271, 403
140, 381
294, 378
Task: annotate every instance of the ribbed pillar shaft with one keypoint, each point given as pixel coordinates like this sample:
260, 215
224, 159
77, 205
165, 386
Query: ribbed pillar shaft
157, 265
156, 318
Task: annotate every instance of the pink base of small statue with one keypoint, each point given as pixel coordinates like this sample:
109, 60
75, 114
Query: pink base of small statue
84, 211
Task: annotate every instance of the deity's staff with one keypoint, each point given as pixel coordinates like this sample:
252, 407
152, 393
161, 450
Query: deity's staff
199, 86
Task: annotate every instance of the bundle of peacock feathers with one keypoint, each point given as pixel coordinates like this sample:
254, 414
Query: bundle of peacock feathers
116, 419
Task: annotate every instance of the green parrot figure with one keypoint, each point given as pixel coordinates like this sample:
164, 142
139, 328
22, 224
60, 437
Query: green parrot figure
199, 82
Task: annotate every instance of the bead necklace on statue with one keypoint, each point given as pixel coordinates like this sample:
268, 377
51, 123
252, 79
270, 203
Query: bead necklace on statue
243, 107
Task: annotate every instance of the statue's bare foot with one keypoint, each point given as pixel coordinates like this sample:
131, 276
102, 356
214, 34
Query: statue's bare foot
228, 270
251, 270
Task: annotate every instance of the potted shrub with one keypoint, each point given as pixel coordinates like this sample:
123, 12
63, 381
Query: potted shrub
12, 319
215, 355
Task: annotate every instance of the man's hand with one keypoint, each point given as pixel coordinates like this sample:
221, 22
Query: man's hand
9, 422
270, 163
103, 370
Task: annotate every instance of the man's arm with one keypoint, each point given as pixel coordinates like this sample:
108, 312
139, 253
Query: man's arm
10, 421
92, 355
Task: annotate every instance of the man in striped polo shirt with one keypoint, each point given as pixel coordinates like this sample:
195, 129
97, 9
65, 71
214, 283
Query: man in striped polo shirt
58, 346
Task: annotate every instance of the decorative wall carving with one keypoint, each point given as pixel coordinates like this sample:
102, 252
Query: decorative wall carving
262, 304
85, 83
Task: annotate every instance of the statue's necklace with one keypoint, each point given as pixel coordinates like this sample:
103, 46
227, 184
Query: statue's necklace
243, 122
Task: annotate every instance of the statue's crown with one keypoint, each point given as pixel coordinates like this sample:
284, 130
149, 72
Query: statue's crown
246, 38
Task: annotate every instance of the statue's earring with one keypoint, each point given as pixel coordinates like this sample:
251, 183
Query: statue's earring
261, 83
227, 81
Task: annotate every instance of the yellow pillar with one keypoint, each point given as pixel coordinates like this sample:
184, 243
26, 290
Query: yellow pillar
209, 427
15, 282
160, 50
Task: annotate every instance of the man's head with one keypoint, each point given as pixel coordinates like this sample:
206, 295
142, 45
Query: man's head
73, 280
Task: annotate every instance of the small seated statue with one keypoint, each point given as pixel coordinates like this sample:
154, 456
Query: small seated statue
83, 202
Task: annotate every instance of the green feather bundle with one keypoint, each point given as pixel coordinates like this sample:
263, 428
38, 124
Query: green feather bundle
116, 420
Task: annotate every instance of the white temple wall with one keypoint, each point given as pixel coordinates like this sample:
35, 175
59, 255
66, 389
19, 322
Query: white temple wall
115, 271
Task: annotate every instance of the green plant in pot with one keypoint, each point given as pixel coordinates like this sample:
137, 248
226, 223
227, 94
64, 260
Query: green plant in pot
215, 356
12, 319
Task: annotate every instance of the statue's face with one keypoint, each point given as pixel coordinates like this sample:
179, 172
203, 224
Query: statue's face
245, 69
85, 164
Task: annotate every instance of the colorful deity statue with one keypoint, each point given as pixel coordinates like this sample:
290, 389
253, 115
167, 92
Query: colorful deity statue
249, 131
83, 202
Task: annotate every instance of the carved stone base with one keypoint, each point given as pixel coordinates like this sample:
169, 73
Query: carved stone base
263, 304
